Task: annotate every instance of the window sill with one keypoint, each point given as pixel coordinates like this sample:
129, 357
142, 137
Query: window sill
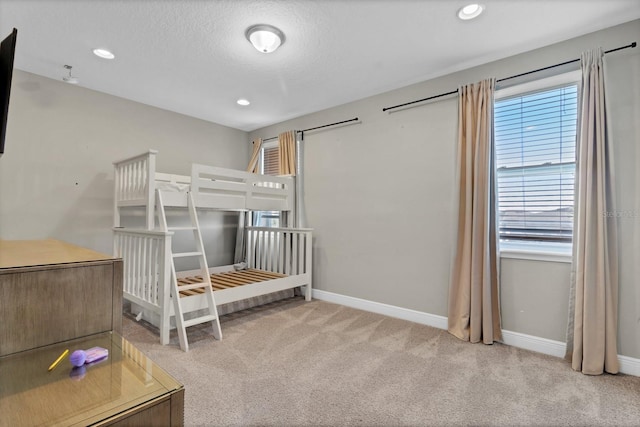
536, 251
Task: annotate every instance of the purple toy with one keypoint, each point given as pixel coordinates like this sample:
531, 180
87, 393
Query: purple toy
80, 357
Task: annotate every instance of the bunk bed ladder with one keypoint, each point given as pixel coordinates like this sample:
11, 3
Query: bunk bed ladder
177, 287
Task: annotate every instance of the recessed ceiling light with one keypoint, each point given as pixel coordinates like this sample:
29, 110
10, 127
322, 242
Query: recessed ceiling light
470, 11
265, 38
103, 53
243, 102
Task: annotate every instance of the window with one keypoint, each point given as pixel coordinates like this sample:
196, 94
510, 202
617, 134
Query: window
270, 159
269, 165
535, 145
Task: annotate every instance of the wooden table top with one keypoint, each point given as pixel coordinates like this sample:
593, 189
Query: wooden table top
26, 253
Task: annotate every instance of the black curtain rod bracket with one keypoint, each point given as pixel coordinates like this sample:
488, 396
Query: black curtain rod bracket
631, 45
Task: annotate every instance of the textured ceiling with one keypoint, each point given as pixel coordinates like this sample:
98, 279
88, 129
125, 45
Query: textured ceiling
191, 56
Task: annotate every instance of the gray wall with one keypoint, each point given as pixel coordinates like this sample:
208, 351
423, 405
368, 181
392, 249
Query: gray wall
379, 195
56, 176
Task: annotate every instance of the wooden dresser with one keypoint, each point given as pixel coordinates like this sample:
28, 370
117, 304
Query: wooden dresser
51, 291
55, 296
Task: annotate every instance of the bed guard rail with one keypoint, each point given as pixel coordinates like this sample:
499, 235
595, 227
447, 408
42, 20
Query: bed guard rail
135, 184
240, 189
146, 259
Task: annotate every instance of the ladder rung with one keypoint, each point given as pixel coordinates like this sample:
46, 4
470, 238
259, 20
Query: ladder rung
180, 228
186, 254
190, 286
199, 320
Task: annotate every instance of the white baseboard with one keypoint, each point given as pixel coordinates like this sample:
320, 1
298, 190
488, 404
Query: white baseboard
533, 343
433, 320
628, 365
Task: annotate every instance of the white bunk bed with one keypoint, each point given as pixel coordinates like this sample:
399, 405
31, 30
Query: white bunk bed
276, 258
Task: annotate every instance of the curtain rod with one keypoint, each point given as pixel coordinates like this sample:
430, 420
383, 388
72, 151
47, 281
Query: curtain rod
632, 45
317, 127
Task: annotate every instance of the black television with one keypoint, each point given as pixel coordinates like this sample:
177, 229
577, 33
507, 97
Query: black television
7, 52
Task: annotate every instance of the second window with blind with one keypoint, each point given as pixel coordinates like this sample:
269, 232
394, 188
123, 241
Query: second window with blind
535, 148
269, 165
270, 158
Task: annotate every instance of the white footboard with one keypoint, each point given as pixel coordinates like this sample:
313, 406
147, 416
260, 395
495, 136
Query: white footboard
281, 250
146, 258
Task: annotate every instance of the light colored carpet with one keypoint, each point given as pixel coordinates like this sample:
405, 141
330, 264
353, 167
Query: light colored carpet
294, 363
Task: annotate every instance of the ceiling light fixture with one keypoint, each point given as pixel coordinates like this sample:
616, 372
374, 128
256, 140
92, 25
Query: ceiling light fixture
470, 11
243, 102
70, 79
265, 38
103, 53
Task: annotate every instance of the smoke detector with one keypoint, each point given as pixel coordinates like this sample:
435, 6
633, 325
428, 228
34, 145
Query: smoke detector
69, 78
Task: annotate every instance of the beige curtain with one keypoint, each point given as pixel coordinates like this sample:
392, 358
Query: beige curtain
474, 313
254, 167
593, 307
287, 148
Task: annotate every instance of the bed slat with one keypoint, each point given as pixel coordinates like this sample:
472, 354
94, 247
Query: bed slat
231, 279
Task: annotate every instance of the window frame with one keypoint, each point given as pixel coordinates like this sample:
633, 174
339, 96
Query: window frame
536, 250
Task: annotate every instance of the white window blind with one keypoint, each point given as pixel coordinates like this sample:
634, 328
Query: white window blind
535, 145
270, 160
270, 166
